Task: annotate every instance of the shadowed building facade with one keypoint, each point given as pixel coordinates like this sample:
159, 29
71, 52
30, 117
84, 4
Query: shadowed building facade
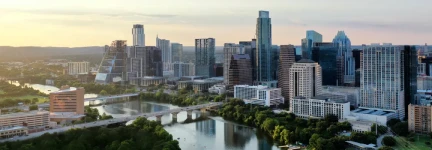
240, 70
286, 60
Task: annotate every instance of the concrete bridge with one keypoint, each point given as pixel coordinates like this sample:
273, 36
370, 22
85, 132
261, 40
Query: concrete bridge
158, 115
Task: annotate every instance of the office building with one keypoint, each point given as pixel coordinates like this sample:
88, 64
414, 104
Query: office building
205, 57
145, 61
307, 43
250, 49
264, 55
421, 69
138, 35
286, 60
304, 79
77, 68
342, 93
428, 62
410, 65
184, 69
356, 53
67, 100
419, 118
382, 78
229, 50
319, 107
164, 46
10, 132
240, 70
200, 85
424, 97
113, 66
32, 119
343, 44
177, 52
326, 55
424, 82
259, 95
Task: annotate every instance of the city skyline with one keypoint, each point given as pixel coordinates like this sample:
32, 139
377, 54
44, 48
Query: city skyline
82, 23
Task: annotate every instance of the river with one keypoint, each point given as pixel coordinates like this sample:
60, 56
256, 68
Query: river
215, 133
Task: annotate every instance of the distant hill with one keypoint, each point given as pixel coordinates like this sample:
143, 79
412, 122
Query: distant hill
31, 53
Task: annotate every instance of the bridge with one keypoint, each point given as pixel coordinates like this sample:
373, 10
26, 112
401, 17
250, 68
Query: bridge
122, 120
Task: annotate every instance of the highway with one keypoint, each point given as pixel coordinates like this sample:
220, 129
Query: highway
113, 121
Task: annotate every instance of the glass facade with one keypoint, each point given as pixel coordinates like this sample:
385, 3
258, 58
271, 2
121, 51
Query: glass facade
410, 75
177, 52
326, 56
113, 65
307, 43
205, 57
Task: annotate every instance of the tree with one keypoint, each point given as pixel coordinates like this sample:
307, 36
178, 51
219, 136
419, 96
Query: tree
103, 92
385, 148
269, 125
381, 129
392, 122
331, 118
389, 141
400, 128
33, 107
34, 100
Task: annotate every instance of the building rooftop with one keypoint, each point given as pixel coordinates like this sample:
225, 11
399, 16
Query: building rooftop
305, 61
71, 115
376, 112
20, 114
240, 56
6, 128
152, 77
255, 86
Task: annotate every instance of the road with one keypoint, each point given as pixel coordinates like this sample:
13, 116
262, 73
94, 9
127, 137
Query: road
381, 137
112, 121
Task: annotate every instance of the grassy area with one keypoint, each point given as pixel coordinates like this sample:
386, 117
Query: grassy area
41, 99
404, 144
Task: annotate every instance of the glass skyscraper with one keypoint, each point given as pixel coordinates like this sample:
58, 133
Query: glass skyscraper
307, 43
343, 44
264, 67
326, 55
205, 57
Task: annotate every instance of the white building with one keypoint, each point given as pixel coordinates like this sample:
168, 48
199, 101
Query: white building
259, 95
319, 107
164, 46
361, 126
229, 50
351, 94
424, 82
199, 85
138, 35
421, 69
217, 89
76, 68
184, 69
305, 79
8, 132
423, 97
380, 82
372, 115
33, 119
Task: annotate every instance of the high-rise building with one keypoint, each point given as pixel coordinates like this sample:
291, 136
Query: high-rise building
138, 35
307, 43
67, 100
419, 119
164, 46
113, 66
343, 44
319, 107
356, 54
259, 95
76, 68
240, 70
229, 50
205, 57
304, 79
250, 49
33, 119
382, 78
177, 52
264, 52
410, 64
144, 61
326, 55
184, 69
286, 60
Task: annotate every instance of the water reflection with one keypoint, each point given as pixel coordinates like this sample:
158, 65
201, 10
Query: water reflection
215, 133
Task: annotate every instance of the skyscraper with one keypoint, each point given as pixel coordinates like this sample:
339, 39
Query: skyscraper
343, 44
410, 64
240, 70
145, 61
286, 60
250, 49
326, 55
113, 65
205, 57
164, 46
304, 79
138, 35
307, 43
229, 50
264, 50
382, 78
177, 52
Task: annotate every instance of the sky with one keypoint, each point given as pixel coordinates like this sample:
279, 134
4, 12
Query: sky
77, 23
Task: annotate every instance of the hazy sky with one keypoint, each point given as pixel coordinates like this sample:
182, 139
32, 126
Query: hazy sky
77, 23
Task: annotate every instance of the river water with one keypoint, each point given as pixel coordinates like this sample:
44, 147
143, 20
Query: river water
214, 133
